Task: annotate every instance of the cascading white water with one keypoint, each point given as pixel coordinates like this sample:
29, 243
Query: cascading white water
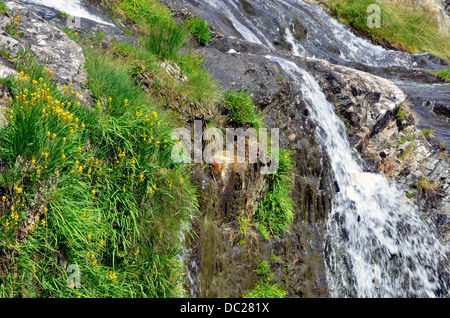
377, 244
72, 7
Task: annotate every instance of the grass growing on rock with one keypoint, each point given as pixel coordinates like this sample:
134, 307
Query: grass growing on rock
445, 74
405, 26
241, 108
93, 190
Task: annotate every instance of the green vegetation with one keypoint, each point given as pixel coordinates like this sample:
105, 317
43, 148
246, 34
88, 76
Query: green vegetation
95, 187
193, 91
264, 289
405, 26
400, 114
426, 187
444, 74
199, 29
89, 187
410, 194
428, 132
275, 212
100, 36
262, 268
242, 109
12, 29
3, 9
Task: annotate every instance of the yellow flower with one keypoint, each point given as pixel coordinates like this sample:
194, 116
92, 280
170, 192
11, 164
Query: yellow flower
111, 276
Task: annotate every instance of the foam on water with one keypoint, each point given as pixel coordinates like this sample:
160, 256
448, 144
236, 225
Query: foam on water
71, 7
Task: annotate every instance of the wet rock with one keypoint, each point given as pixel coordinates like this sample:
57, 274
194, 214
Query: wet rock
48, 44
224, 255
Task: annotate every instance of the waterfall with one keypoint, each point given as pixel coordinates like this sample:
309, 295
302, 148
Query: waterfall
72, 7
377, 245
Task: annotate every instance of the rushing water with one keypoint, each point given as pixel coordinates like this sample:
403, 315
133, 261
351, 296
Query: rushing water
377, 244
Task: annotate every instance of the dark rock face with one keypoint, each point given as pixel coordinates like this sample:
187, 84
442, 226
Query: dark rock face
223, 256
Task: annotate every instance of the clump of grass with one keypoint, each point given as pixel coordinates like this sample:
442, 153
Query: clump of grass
275, 212
165, 40
12, 28
400, 114
199, 29
241, 108
162, 39
262, 268
407, 27
196, 92
265, 289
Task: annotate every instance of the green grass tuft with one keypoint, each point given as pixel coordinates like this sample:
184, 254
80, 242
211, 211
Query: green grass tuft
275, 212
199, 29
